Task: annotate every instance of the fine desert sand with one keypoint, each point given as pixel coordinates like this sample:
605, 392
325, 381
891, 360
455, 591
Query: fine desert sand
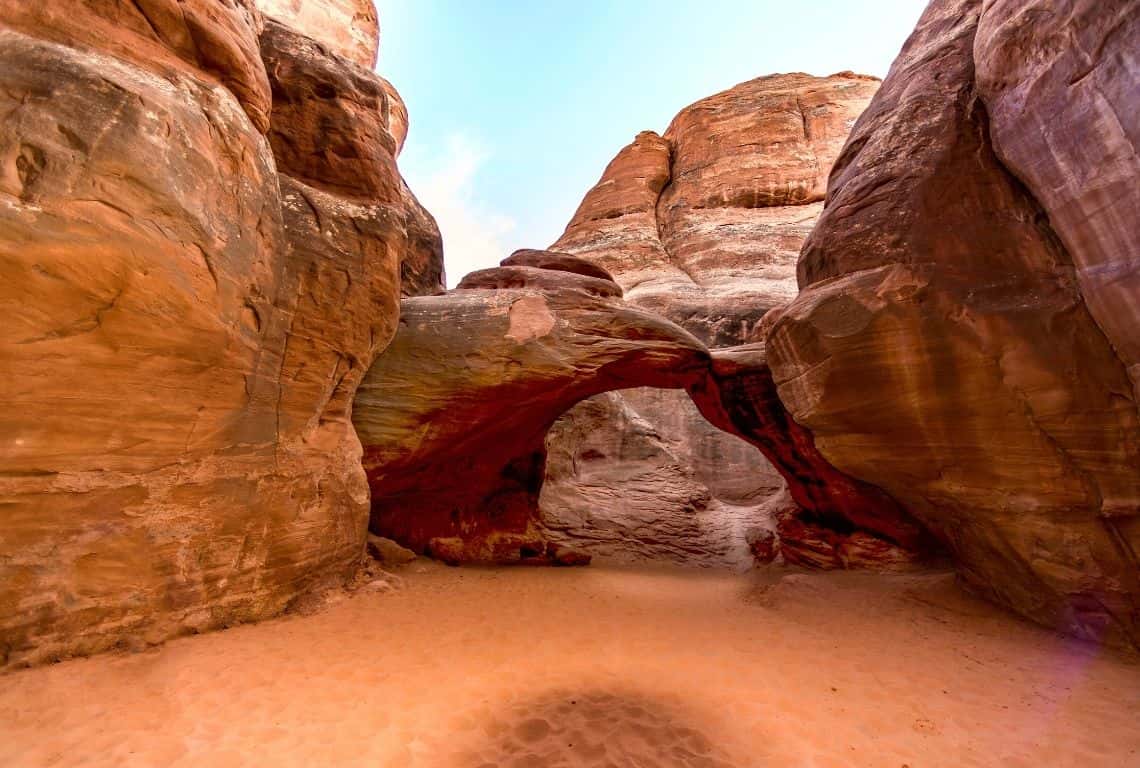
604, 666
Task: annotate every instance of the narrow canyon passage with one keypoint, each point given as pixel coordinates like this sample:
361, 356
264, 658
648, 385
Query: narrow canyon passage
832, 380
602, 666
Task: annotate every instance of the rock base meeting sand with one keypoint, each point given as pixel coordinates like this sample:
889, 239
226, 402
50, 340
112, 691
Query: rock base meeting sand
605, 666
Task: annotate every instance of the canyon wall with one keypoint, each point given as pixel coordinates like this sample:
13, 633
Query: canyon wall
348, 28
205, 244
964, 336
704, 225
195, 281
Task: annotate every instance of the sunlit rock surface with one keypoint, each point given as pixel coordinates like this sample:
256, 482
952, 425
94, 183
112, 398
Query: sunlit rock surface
453, 416
348, 28
185, 328
959, 340
702, 225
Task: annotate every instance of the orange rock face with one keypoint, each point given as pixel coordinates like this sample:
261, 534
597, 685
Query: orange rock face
453, 415
185, 330
330, 118
1074, 65
704, 224
211, 40
347, 28
947, 344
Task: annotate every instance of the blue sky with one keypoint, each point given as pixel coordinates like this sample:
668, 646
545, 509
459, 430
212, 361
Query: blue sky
516, 107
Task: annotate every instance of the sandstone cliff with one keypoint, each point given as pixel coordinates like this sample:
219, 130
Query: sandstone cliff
965, 335
704, 225
347, 28
191, 303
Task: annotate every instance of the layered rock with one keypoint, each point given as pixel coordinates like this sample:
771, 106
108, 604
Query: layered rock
950, 348
203, 41
347, 28
702, 225
330, 118
828, 519
185, 330
674, 489
338, 127
453, 416
1059, 81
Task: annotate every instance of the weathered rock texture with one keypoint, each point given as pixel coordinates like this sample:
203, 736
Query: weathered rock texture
333, 128
330, 119
704, 225
348, 28
948, 346
184, 328
453, 416
421, 271
675, 488
203, 41
828, 519
1059, 81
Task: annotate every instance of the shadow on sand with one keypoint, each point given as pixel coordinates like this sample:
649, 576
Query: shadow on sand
596, 728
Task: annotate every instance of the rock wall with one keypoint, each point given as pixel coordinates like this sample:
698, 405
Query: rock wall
348, 28
826, 518
186, 327
641, 475
963, 335
702, 225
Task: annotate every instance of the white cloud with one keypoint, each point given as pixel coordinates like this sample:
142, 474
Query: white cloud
472, 233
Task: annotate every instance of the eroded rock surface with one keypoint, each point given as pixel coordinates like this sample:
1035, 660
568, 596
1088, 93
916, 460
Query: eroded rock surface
833, 520
330, 118
1059, 81
948, 346
185, 328
640, 475
453, 416
214, 41
702, 225
348, 28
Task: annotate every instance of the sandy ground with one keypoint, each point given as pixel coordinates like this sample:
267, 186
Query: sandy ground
597, 667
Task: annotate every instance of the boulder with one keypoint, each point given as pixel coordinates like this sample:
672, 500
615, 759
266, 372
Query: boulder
331, 118
561, 262
388, 552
